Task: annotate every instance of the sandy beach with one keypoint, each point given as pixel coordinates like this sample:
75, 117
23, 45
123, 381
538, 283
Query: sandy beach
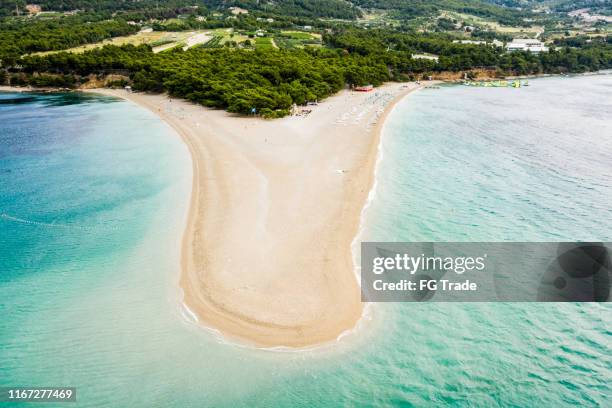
275, 206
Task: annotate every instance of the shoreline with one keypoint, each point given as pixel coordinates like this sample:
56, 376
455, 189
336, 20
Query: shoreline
433, 81
296, 187
29, 88
279, 330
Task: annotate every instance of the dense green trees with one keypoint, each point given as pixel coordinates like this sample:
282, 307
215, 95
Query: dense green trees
310, 9
269, 81
395, 48
417, 8
11, 7
595, 6
260, 81
19, 37
296, 8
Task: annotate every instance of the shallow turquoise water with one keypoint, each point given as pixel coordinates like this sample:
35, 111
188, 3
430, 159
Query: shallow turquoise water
93, 196
497, 164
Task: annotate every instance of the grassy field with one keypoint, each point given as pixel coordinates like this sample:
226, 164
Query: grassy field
166, 40
297, 39
492, 25
229, 34
214, 42
298, 35
377, 18
159, 40
264, 43
154, 37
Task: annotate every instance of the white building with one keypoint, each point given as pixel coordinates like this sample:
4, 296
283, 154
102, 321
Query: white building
237, 11
527, 44
495, 43
474, 42
426, 56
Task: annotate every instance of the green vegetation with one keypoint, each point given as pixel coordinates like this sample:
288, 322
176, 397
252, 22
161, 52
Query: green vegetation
270, 80
297, 35
267, 59
418, 8
134, 8
267, 80
595, 6
263, 43
161, 41
18, 37
290, 42
296, 8
214, 42
296, 39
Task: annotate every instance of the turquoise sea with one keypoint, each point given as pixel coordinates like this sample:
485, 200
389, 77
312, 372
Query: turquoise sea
93, 200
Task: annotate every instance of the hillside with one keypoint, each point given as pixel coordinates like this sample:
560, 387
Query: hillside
266, 56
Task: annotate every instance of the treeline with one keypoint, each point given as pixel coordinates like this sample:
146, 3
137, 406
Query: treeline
418, 8
266, 82
594, 6
394, 49
367, 42
114, 5
18, 37
312, 9
583, 41
10, 7
106, 19
295, 8
292, 8
249, 22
